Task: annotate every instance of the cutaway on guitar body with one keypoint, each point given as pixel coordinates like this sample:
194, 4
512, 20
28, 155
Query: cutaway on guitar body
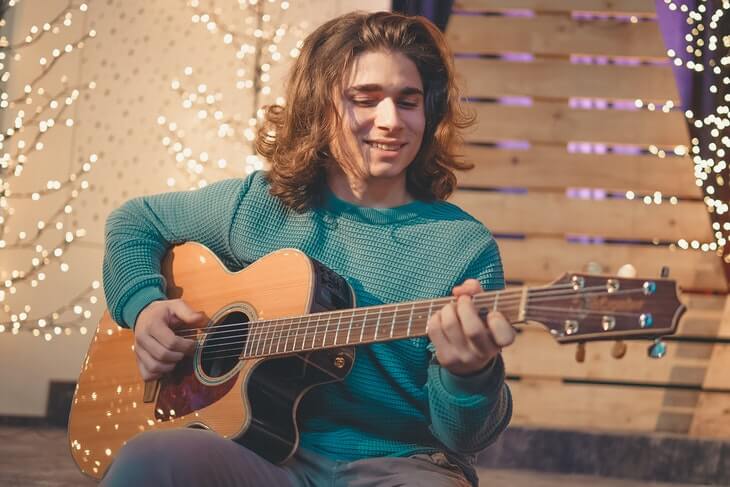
240, 383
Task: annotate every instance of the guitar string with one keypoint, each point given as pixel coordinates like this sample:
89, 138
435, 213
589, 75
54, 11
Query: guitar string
264, 328
267, 334
267, 340
370, 309
310, 330
270, 342
507, 294
354, 313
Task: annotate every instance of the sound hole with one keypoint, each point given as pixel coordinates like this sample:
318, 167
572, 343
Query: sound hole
223, 344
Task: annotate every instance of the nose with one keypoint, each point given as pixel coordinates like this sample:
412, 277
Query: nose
387, 116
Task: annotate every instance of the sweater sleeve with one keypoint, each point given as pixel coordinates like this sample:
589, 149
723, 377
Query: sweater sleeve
139, 233
469, 413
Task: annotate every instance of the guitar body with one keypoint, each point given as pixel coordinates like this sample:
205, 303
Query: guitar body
251, 401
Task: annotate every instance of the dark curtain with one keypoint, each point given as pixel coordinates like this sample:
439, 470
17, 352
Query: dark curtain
695, 94
437, 11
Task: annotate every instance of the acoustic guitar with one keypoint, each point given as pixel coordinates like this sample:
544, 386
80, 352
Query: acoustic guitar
287, 323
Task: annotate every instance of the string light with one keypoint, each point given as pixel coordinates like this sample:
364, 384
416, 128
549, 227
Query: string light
257, 47
710, 165
30, 118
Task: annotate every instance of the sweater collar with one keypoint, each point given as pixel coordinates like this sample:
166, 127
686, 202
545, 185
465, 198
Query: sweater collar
378, 216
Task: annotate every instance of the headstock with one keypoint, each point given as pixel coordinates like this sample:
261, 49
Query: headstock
582, 307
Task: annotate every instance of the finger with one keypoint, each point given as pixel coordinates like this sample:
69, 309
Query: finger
451, 326
468, 287
502, 331
475, 330
154, 368
438, 339
158, 351
143, 370
169, 340
185, 313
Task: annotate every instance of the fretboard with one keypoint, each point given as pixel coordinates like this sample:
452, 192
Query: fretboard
358, 326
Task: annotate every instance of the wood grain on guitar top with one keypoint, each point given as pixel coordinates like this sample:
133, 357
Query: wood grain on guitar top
109, 409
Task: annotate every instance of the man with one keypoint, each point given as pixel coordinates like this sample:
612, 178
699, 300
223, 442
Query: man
361, 159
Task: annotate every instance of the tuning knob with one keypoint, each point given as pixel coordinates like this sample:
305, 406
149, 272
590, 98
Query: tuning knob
658, 349
580, 353
619, 349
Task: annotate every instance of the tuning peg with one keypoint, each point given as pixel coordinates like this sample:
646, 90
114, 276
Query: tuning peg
665, 272
626, 270
580, 352
658, 349
619, 349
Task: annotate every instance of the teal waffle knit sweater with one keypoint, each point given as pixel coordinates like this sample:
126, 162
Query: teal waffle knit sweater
396, 401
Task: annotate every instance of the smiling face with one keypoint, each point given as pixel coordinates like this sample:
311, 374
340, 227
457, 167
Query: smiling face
383, 119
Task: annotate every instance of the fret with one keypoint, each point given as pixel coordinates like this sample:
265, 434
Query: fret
392, 324
271, 339
496, 300
337, 331
377, 324
270, 329
302, 332
288, 334
410, 320
267, 330
523, 305
292, 331
249, 339
261, 337
255, 340
326, 327
428, 314
278, 342
362, 327
349, 328
314, 335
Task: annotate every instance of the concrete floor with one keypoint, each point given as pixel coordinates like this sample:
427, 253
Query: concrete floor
39, 457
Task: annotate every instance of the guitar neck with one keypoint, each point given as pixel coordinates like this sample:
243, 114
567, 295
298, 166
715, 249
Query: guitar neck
361, 326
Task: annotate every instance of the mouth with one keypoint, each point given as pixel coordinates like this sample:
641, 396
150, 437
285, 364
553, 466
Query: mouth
392, 146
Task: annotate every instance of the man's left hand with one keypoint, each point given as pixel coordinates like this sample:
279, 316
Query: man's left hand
464, 342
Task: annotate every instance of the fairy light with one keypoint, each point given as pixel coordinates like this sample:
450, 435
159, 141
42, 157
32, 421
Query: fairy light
257, 44
710, 165
29, 118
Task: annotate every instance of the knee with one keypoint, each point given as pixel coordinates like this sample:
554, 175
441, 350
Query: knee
150, 458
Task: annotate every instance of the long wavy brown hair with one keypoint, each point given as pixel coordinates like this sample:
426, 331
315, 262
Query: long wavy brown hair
296, 138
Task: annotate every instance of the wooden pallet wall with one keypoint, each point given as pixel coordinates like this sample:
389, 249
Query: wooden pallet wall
519, 62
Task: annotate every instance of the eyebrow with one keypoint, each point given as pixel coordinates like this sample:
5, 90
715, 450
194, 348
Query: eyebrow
370, 88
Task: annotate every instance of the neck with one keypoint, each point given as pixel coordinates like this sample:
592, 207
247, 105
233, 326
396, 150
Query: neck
368, 191
365, 325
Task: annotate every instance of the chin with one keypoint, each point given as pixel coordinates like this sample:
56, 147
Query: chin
390, 172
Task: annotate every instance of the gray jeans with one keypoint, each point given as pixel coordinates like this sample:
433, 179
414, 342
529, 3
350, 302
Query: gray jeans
192, 457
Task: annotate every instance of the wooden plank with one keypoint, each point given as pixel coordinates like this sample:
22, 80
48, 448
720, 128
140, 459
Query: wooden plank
554, 168
557, 78
554, 35
612, 408
703, 317
712, 418
557, 123
644, 8
536, 354
555, 214
544, 259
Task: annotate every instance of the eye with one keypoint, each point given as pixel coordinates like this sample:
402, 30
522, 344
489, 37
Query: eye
365, 102
408, 103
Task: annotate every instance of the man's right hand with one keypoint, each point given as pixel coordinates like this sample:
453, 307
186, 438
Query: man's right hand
157, 346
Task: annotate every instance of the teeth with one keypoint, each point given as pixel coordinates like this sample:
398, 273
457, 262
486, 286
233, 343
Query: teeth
384, 147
